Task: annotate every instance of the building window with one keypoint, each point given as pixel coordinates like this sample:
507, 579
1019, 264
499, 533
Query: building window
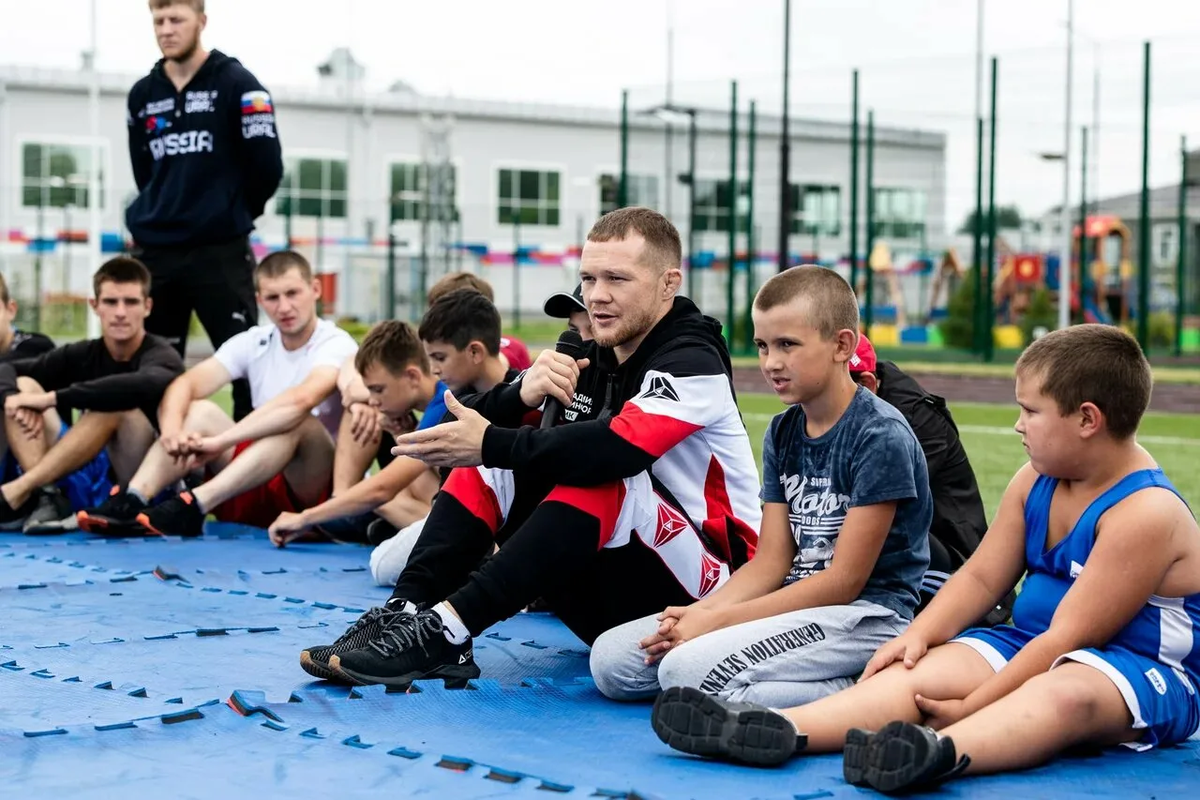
642, 191
899, 213
409, 192
56, 175
816, 210
529, 195
312, 187
712, 205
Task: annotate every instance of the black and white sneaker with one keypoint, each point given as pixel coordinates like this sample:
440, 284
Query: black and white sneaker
315, 660
904, 757
409, 648
695, 722
178, 516
51, 514
116, 516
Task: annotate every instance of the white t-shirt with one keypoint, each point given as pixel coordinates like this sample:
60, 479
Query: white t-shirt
258, 355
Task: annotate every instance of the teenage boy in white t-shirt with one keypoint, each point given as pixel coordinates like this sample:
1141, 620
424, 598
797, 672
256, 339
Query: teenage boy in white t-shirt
278, 458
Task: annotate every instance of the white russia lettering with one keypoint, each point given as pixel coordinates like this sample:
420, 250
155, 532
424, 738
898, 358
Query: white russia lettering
174, 144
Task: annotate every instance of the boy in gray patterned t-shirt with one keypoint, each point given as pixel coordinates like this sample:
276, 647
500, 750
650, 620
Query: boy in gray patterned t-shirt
845, 533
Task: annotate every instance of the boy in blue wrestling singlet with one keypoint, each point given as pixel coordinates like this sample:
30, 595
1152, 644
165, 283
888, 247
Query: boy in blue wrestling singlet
1104, 648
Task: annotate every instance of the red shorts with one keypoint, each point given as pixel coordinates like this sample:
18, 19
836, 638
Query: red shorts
261, 505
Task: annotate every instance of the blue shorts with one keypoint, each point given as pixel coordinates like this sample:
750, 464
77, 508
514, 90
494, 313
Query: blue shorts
86, 487
1162, 700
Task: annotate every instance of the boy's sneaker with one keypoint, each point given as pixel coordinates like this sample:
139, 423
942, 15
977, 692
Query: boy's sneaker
116, 516
176, 516
315, 660
13, 519
690, 720
409, 648
380, 531
51, 513
904, 757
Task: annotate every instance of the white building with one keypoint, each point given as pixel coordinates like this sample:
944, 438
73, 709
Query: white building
354, 160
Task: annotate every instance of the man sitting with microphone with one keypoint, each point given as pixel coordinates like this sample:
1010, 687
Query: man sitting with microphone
643, 494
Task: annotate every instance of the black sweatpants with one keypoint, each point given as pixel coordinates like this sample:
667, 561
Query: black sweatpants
217, 282
551, 546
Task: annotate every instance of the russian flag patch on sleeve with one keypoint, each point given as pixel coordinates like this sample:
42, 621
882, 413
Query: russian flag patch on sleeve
257, 102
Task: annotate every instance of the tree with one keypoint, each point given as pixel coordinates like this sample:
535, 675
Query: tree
1007, 218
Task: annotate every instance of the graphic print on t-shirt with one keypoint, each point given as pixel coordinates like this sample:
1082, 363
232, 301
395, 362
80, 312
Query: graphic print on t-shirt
816, 513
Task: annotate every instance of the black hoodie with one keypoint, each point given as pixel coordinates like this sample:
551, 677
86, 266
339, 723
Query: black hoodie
206, 159
635, 417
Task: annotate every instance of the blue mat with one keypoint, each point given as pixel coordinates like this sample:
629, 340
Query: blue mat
170, 667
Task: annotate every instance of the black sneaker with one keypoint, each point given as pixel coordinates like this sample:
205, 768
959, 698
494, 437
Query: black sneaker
690, 720
178, 516
51, 514
315, 660
13, 519
854, 756
380, 531
116, 516
904, 756
409, 648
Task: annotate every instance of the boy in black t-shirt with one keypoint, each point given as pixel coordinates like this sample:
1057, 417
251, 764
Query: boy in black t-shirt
117, 381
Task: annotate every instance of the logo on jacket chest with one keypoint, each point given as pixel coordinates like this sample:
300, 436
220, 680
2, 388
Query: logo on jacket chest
200, 102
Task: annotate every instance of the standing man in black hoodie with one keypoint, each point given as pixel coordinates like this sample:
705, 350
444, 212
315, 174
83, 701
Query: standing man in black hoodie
206, 158
646, 490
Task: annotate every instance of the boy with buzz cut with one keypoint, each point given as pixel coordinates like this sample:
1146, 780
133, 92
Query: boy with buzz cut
394, 371
280, 456
1103, 649
843, 545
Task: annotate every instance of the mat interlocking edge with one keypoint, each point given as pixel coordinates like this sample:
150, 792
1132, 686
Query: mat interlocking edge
171, 665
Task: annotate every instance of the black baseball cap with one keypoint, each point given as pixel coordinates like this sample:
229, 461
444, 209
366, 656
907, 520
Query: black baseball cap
562, 305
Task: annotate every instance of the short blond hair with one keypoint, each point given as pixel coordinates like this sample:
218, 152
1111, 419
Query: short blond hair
195, 5
832, 305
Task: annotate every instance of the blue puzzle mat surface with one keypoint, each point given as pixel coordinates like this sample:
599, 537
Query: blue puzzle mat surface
171, 667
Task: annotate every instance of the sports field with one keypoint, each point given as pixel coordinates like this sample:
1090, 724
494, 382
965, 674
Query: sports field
995, 449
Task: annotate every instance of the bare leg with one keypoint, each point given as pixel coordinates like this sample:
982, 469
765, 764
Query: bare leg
1070, 705
128, 447
160, 470
351, 460
304, 455
412, 503
951, 671
81, 443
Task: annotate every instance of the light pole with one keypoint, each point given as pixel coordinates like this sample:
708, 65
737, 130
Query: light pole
95, 248
666, 112
785, 149
1064, 267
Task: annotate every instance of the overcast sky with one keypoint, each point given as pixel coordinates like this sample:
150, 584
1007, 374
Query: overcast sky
917, 59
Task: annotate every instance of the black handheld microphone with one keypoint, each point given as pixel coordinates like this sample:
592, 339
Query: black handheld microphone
569, 343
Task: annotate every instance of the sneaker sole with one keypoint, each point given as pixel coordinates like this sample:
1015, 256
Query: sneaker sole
687, 719
108, 526
317, 669
854, 756
456, 676
897, 753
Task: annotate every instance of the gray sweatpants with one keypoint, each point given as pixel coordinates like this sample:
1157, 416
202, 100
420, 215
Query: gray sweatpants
782, 661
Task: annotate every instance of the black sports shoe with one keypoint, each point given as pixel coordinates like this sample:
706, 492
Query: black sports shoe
178, 515
51, 514
380, 531
116, 516
315, 660
690, 720
904, 756
13, 519
854, 756
407, 649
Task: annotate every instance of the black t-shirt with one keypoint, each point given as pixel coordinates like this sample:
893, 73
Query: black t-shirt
85, 376
959, 518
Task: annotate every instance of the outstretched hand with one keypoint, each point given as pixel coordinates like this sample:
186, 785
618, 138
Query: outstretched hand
450, 444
